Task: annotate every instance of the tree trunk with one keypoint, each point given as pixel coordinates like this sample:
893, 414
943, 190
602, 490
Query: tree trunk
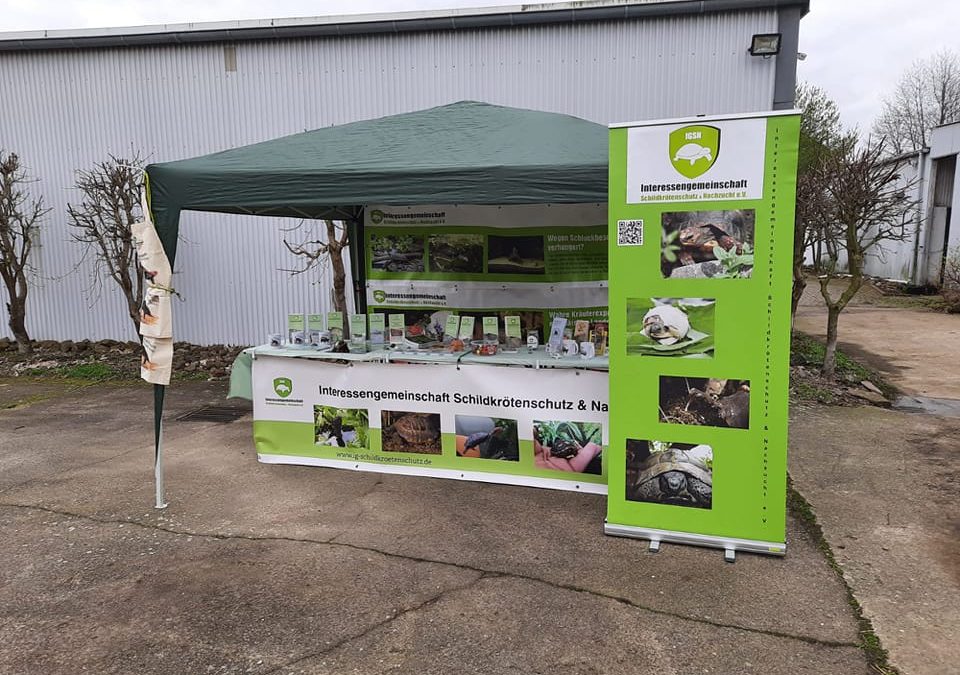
335, 248
799, 280
799, 284
830, 355
17, 311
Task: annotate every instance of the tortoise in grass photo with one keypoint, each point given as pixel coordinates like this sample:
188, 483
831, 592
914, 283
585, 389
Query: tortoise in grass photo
418, 428
674, 476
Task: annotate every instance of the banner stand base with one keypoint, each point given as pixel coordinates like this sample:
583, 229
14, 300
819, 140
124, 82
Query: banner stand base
729, 545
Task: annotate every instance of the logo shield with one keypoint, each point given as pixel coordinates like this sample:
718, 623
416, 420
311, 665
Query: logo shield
379, 296
376, 216
694, 149
282, 386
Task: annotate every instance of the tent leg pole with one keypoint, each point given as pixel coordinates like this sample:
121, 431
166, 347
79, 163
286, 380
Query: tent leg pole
158, 472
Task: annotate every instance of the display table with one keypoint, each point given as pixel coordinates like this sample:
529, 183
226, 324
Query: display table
523, 418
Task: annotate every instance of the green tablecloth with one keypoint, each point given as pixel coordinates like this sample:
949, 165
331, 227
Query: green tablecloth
241, 376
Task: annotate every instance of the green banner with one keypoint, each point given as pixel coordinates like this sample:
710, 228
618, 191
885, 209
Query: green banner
701, 241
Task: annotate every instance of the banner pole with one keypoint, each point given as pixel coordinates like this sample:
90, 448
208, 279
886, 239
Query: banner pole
158, 392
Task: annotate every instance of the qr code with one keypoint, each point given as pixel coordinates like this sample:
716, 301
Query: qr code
629, 233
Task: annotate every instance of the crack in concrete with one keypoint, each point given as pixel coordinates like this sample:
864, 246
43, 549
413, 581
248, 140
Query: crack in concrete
483, 571
378, 625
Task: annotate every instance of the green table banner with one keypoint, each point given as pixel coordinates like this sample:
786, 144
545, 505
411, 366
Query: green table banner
701, 241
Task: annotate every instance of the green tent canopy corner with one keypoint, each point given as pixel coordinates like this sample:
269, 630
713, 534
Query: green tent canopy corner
462, 153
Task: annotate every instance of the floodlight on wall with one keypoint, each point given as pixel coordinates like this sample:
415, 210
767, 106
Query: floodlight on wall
765, 45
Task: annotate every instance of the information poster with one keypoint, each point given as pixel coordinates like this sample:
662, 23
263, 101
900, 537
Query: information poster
532, 261
701, 241
475, 422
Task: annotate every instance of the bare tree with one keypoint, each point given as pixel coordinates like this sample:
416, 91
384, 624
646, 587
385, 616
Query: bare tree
863, 202
821, 135
19, 229
318, 253
102, 221
926, 96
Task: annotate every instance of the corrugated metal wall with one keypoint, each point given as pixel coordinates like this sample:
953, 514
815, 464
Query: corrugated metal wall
64, 110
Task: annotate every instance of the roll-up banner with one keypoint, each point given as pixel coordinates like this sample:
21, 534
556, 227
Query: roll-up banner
542, 428
701, 240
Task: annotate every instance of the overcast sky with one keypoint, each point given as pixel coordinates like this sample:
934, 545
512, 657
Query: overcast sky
856, 48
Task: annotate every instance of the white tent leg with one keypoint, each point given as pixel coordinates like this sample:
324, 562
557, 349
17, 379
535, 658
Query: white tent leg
158, 472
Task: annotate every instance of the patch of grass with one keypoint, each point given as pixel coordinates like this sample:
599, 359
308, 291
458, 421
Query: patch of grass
195, 376
92, 371
931, 302
876, 655
808, 351
805, 391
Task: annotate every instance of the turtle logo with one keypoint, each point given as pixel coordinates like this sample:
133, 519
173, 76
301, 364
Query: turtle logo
282, 386
380, 296
694, 149
376, 216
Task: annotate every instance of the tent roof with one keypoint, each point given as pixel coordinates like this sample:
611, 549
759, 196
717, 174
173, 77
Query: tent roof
462, 153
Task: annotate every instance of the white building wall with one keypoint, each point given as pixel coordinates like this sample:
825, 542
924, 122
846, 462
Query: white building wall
64, 110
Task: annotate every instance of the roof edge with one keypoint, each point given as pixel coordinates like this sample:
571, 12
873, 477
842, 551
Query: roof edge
372, 24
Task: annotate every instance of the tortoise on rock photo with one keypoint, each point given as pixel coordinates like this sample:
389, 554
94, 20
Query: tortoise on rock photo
677, 474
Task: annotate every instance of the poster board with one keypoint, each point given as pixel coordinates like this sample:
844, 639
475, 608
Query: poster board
533, 261
435, 420
701, 239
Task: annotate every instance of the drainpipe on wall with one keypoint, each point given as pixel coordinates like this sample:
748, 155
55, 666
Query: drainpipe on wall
921, 210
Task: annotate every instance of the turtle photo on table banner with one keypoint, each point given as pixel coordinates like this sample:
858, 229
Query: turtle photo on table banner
701, 401
341, 427
678, 474
670, 326
403, 431
707, 244
487, 437
561, 445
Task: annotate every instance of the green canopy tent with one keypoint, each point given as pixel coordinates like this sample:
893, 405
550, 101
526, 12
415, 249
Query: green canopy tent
462, 153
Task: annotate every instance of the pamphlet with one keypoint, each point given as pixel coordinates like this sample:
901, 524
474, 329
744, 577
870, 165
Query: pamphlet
581, 330
491, 328
466, 328
358, 328
314, 328
397, 329
512, 327
295, 328
452, 326
335, 326
377, 328
555, 343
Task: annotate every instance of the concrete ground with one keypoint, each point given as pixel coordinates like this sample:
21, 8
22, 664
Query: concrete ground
885, 484
914, 349
278, 569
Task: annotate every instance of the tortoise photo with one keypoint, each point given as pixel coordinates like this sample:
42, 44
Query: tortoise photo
411, 432
680, 475
418, 427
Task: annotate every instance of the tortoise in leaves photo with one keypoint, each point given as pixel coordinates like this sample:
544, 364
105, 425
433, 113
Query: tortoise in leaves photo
674, 476
418, 428
698, 240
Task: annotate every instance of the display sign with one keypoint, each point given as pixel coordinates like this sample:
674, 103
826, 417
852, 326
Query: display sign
544, 427
701, 244
468, 259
